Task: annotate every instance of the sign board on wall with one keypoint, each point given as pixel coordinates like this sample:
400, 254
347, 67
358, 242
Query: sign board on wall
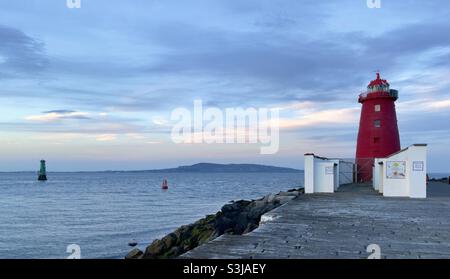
329, 170
418, 166
396, 169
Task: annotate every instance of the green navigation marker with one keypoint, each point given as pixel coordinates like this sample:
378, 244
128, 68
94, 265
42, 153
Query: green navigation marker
42, 172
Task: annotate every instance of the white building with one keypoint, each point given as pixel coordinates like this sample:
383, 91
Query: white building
402, 174
323, 175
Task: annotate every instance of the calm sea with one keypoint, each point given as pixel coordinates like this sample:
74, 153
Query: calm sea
102, 212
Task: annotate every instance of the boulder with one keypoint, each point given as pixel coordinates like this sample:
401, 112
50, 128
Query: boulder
134, 254
284, 199
169, 240
257, 209
241, 224
250, 227
284, 194
235, 207
155, 249
222, 224
174, 252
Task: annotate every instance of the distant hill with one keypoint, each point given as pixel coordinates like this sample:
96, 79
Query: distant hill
208, 167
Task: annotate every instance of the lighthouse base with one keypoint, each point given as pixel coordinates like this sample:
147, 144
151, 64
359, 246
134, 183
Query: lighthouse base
42, 177
364, 171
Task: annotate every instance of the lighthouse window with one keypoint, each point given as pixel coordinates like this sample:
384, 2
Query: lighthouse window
376, 140
377, 108
377, 123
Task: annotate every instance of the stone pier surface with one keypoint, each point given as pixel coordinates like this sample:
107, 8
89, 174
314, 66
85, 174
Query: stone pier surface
342, 225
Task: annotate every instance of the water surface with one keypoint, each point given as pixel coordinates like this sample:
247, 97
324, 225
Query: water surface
102, 212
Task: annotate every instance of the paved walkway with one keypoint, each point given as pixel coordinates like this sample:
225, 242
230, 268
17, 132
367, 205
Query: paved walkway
341, 225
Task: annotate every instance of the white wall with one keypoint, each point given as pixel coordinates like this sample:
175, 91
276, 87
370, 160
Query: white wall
309, 173
378, 175
322, 174
418, 178
394, 187
323, 177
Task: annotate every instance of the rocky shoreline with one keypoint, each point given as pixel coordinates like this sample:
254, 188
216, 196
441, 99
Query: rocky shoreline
237, 217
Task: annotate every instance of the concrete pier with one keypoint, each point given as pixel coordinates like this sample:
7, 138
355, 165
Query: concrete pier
342, 225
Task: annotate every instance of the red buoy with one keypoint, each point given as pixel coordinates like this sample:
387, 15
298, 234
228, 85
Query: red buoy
378, 135
165, 185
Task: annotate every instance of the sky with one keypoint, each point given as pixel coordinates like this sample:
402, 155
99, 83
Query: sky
93, 88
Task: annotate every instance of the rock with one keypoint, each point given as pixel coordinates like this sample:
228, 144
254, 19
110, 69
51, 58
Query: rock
169, 240
241, 224
284, 199
222, 224
271, 206
134, 254
177, 234
174, 252
269, 198
132, 243
259, 204
250, 227
186, 232
215, 235
229, 231
155, 249
284, 194
202, 233
254, 213
234, 207
257, 209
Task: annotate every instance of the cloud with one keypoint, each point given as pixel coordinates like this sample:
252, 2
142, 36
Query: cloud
60, 111
293, 62
20, 54
409, 39
107, 137
443, 104
153, 142
322, 118
56, 115
136, 136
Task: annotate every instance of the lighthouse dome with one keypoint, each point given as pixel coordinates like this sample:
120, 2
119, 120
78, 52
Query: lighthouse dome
378, 81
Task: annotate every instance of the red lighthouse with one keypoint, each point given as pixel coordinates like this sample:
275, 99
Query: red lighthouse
378, 134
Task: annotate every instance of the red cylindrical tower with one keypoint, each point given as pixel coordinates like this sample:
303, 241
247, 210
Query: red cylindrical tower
378, 134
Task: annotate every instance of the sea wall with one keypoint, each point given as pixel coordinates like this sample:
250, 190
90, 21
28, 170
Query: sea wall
239, 217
